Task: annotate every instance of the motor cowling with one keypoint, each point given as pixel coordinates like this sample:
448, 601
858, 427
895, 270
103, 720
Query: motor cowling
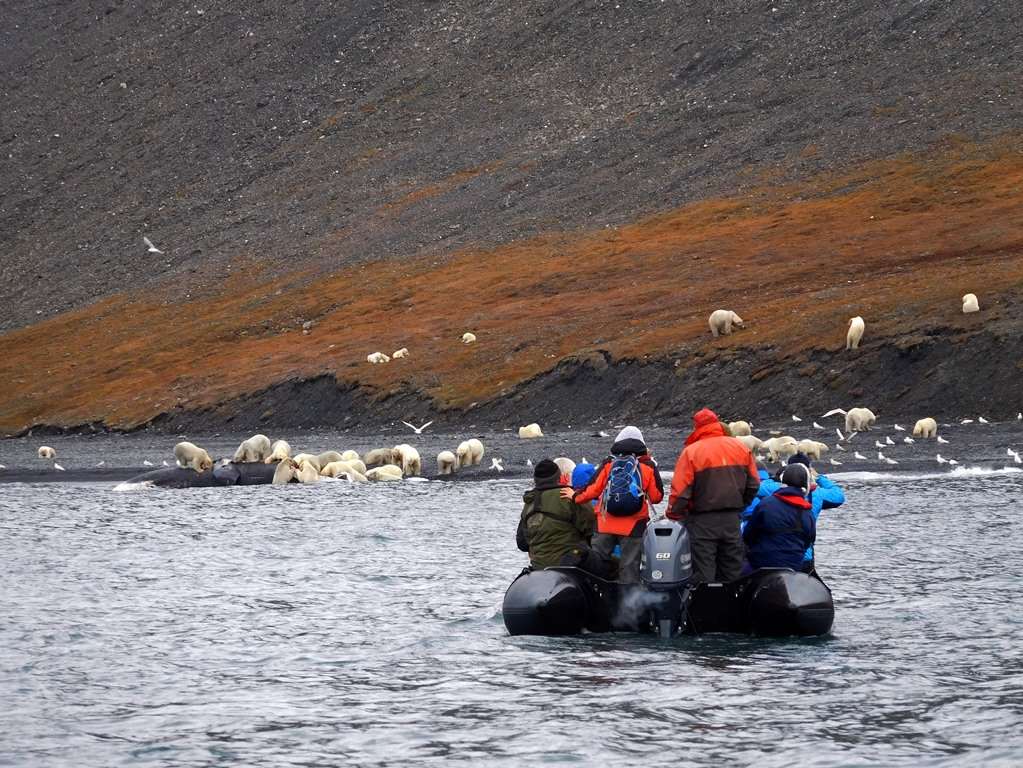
667, 559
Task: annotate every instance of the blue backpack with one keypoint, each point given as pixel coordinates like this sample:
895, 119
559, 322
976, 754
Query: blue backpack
623, 495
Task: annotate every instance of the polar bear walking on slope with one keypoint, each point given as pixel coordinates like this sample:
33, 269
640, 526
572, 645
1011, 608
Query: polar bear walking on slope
190, 456
970, 303
256, 448
859, 419
855, 333
926, 428
721, 322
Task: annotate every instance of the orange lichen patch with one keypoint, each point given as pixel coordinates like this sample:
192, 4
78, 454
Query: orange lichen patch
898, 243
445, 185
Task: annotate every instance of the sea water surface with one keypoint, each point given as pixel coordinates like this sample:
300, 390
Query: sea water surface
337, 624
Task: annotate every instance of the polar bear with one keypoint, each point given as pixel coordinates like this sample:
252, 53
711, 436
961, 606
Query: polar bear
46, 452
377, 357
400, 353
328, 456
343, 469
386, 473
970, 303
447, 462
476, 450
813, 448
859, 419
279, 451
256, 448
753, 443
191, 456
408, 458
469, 452
350, 455
721, 322
926, 428
308, 471
530, 431
380, 456
566, 465
780, 448
310, 458
855, 333
286, 472
468, 338
739, 428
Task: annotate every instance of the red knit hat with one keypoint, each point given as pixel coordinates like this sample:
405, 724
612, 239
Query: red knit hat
704, 417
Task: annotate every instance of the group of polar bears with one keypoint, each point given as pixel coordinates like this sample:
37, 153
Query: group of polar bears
376, 358
722, 320
469, 453
783, 447
394, 463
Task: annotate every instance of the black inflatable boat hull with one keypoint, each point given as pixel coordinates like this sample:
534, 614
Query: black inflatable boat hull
248, 473
770, 602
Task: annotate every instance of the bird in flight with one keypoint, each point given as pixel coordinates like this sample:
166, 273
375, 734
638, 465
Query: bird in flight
149, 244
417, 430
497, 464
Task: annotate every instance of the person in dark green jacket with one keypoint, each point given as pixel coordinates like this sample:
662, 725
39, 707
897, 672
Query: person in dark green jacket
552, 529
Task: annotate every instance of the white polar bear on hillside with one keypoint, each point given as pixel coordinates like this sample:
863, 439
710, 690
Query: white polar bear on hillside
926, 428
970, 303
859, 419
530, 431
408, 457
739, 428
377, 357
256, 448
447, 463
189, 455
721, 322
468, 338
400, 353
279, 451
855, 333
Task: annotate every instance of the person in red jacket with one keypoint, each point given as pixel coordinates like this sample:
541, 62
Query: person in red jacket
626, 531
715, 480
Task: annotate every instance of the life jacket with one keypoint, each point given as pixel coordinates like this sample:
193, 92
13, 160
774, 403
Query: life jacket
623, 495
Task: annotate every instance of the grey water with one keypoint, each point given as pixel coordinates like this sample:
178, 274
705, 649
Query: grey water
336, 624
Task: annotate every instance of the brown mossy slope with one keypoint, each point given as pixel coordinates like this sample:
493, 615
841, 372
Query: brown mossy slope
896, 241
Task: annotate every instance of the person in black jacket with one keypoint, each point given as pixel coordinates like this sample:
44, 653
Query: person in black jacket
782, 526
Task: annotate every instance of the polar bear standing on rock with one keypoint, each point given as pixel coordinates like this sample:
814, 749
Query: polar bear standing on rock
279, 451
859, 419
191, 456
926, 428
970, 303
447, 463
721, 322
256, 448
46, 452
530, 431
855, 332
739, 428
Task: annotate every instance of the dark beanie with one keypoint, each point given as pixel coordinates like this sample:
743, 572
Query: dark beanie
546, 470
796, 476
800, 458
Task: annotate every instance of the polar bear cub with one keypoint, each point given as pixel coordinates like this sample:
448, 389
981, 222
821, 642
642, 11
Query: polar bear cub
447, 462
190, 456
468, 338
279, 451
377, 357
970, 303
721, 322
46, 452
530, 431
855, 332
859, 419
408, 457
400, 353
926, 428
256, 448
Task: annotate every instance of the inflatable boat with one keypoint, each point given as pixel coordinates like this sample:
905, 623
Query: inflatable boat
229, 473
774, 602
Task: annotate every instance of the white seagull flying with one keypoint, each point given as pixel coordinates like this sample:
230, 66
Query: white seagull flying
832, 412
496, 464
417, 430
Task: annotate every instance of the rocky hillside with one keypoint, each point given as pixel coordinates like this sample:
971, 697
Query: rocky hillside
579, 183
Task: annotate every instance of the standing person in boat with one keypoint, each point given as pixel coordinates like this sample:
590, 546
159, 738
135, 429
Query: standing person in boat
624, 486
715, 480
782, 526
824, 494
553, 529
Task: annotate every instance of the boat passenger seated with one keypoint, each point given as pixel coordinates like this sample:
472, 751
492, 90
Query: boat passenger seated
782, 526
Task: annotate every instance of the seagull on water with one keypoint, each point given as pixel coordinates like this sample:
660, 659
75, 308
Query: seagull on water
149, 244
817, 426
859, 456
497, 464
952, 462
940, 460
898, 428
417, 430
942, 440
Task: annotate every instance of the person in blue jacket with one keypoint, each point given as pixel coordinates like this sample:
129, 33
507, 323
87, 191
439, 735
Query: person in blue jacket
824, 494
782, 526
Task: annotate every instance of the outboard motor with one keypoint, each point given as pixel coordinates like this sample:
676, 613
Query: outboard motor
666, 569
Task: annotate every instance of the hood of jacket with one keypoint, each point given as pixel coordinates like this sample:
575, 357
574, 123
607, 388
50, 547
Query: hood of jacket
713, 429
793, 497
629, 446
